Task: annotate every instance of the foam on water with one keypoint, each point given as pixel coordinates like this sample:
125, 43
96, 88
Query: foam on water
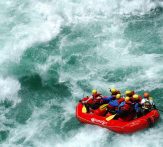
32, 22
86, 136
9, 88
147, 78
25, 23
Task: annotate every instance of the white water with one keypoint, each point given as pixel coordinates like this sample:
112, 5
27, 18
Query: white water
42, 21
9, 88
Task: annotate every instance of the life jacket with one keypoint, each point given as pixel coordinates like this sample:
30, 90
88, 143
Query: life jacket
110, 107
96, 98
114, 103
136, 104
108, 99
125, 106
90, 101
96, 95
120, 100
150, 100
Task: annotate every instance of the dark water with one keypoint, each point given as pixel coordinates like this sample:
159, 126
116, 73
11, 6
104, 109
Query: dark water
52, 53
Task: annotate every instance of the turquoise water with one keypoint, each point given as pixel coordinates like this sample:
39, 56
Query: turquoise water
52, 53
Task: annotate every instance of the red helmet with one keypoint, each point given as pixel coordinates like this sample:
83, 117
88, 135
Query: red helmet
146, 94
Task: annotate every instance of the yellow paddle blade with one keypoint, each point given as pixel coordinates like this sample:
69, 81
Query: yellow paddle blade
84, 110
103, 106
110, 117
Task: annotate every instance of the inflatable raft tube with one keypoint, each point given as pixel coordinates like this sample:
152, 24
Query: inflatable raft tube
119, 126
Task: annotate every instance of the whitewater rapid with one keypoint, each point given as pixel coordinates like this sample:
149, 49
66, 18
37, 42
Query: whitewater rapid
52, 53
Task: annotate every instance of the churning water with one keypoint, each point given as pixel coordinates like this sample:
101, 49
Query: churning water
53, 52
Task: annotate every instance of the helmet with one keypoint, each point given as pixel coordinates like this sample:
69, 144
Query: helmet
94, 91
127, 98
146, 94
128, 92
135, 96
113, 90
118, 96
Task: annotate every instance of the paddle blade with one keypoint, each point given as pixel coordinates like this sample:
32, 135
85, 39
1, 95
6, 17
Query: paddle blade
103, 106
84, 110
110, 117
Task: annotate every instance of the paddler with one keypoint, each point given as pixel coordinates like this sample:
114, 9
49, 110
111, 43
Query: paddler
147, 98
125, 109
136, 101
94, 101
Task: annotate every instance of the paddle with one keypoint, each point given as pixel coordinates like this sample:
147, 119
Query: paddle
110, 117
103, 106
84, 110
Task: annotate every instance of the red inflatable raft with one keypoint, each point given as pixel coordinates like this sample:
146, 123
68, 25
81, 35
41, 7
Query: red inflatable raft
118, 126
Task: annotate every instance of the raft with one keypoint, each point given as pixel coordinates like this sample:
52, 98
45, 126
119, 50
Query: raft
115, 125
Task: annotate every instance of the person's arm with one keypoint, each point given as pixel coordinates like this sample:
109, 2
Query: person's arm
89, 98
99, 96
107, 99
142, 101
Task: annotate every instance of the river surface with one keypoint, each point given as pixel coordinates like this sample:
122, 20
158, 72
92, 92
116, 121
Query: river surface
54, 52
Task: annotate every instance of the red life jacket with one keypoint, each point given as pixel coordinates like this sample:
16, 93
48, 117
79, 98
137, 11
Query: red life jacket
120, 100
111, 107
90, 101
96, 98
127, 106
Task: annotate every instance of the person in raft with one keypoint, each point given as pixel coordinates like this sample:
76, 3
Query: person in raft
147, 103
92, 102
114, 92
109, 105
113, 101
148, 98
125, 110
129, 93
114, 104
136, 101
